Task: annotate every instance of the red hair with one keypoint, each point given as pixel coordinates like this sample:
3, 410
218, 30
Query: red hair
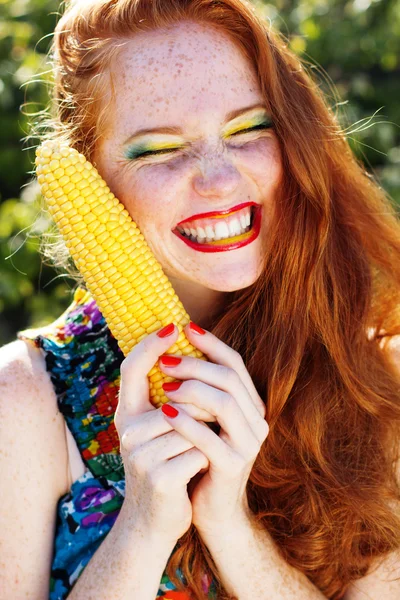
309, 329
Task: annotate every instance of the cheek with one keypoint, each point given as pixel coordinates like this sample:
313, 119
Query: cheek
262, 161
152, 190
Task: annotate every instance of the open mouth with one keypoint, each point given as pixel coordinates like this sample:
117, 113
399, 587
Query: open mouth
213, 240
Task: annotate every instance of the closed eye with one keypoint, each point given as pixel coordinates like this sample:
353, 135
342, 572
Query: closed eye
260, 126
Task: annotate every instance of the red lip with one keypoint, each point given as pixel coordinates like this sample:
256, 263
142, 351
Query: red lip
247, 238
217, 213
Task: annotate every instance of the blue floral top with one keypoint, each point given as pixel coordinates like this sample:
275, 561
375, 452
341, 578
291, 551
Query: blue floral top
83, 360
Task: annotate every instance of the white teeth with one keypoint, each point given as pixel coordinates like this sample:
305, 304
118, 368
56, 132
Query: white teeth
234, 227
210, 232
200, 232
221, 229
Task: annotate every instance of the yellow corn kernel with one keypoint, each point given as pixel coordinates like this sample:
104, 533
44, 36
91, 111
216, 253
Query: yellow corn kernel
121, 273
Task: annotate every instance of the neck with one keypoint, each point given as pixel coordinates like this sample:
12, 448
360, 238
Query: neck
202, 304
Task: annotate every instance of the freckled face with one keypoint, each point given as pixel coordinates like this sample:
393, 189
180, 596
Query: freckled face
190, 77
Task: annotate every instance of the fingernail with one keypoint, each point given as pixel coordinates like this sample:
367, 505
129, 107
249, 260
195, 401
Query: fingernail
170, 411
170, 361
196, 328
165, 331
171, 386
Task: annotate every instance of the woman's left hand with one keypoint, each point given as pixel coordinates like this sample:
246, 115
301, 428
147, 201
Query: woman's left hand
225, 389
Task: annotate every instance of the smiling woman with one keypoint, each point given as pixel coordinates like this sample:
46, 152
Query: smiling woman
219, 145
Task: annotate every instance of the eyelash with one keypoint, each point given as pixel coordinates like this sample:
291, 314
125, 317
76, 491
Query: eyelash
261, 126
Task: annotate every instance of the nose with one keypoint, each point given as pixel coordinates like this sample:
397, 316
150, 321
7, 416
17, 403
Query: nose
216, 176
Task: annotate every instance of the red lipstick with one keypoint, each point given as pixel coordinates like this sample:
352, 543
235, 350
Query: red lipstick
231, 243
222, 213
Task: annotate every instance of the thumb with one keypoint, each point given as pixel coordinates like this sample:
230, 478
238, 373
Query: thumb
134, 397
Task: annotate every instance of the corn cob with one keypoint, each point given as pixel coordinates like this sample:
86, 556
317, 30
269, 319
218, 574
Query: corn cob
120, 271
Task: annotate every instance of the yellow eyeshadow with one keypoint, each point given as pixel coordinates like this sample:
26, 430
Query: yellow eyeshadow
162, 145
245, 125
149, 146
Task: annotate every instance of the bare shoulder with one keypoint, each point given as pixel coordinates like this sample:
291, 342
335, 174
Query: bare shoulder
34, 467
27, 397
21, 359
25, 382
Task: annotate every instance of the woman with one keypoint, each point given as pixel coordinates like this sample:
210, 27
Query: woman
296, 495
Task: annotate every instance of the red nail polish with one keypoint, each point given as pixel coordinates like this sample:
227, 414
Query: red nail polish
170, 361
196, 328
165, 331
170, 411
171, 386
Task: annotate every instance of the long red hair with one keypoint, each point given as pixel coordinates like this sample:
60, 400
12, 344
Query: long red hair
310, 328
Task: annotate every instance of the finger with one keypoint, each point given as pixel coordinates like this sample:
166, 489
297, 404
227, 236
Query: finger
184, 467
239, 434
220, 353
135, 368
224, 379
162, 448
139, 429
221, 457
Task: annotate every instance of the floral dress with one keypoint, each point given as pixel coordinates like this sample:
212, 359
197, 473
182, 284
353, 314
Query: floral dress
83, 360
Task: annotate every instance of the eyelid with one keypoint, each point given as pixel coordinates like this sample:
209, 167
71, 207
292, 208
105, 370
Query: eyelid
164, 149
248, 123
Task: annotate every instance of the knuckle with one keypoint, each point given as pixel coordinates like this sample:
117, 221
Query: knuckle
138, 459
195, 368
249, 455
228, 402
117, 421
159, 480
193, 387
253, 450
127, 439
143, 347
237, 357
124, 367
237, 465
230, 375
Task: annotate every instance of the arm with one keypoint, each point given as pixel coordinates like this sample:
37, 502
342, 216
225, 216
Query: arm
259, 570
31, 481
250, 565
128, 564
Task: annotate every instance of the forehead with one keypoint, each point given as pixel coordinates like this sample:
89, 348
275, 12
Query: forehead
190, 71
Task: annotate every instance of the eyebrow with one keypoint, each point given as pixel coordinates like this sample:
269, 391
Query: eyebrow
177, 130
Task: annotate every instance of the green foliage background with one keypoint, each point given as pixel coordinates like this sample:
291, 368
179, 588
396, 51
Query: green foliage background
355, 44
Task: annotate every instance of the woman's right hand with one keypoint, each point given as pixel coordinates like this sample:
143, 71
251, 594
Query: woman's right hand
159, 462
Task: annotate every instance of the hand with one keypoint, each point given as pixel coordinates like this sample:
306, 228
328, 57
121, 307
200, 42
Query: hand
158, 462
225, 389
